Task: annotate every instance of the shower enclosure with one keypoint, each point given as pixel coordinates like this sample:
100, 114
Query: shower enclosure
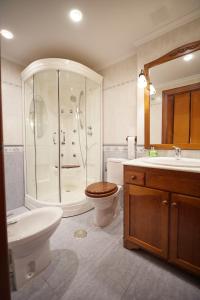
62, 133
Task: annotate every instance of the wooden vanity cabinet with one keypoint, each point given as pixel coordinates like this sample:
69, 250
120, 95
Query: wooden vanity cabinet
160, 217
184, 232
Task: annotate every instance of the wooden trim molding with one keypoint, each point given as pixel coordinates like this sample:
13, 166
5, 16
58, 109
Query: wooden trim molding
4, 269
178, 52
183, 89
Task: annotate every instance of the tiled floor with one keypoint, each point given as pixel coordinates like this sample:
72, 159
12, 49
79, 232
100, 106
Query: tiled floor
99, 268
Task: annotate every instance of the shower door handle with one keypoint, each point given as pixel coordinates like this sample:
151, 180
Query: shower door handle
54, 138
63, 141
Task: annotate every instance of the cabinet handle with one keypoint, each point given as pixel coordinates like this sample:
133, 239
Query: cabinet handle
174, 204
165, 202
133, 177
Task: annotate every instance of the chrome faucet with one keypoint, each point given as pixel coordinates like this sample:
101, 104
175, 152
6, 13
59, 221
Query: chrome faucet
177, 152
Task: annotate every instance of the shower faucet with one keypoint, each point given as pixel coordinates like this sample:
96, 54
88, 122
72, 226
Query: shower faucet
54, 138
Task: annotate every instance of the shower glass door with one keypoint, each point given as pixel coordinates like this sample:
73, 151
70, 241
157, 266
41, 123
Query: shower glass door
63, 136
93, 131
46, 134
29, 111
72, 112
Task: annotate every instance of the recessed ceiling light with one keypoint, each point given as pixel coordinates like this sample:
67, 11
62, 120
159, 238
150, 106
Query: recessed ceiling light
188, 57
75, 15
7, 34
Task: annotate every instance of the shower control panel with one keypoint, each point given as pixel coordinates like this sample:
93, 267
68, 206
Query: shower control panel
63, 137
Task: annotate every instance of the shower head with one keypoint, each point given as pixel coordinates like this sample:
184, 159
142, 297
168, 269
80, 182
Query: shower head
73, 98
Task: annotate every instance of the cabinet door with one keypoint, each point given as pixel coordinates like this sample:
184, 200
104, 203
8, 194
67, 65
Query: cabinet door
146, 218
185, 232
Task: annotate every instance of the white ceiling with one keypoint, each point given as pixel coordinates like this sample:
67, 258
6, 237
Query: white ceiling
109, 32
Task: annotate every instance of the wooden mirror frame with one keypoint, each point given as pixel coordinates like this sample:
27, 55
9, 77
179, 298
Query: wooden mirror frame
178, 52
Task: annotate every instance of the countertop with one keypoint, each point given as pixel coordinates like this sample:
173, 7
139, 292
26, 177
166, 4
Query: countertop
140, 163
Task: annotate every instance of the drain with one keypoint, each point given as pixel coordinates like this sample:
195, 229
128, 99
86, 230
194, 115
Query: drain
80, 233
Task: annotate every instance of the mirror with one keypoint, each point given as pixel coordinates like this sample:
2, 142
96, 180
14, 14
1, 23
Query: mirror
172, 110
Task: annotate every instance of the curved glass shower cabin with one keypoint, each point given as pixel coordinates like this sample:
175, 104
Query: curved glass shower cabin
62, 131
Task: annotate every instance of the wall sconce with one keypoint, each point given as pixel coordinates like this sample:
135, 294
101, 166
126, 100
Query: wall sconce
152, 89
142, 82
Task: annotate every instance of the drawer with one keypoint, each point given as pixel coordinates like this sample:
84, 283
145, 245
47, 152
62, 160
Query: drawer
134, 177
174, 181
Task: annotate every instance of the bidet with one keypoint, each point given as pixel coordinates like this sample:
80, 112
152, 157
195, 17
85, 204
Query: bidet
28, 241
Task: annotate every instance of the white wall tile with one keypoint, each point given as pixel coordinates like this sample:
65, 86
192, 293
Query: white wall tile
12, 103
119, 113
122, 71
11, 72
12, 133
119, 101
12, 114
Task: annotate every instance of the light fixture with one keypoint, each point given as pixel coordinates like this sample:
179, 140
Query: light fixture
152, 89
142, 82
188, 57
75, 15
7, 34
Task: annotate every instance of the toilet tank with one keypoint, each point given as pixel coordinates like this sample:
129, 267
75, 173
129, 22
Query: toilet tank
115, 170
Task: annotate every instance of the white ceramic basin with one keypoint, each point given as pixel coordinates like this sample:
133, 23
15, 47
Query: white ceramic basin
172, 161
33, 225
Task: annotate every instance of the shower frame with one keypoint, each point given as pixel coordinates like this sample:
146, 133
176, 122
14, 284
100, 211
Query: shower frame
58, 64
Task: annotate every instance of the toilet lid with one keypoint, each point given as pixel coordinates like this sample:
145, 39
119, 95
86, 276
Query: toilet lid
101, 189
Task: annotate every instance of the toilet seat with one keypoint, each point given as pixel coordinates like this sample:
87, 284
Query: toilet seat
101, 189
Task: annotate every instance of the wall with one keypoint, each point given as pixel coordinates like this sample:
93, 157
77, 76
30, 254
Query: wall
119, 102
123, 114
12, 133
119, 107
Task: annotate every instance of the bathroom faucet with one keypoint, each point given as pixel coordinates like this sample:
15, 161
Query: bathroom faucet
177, 152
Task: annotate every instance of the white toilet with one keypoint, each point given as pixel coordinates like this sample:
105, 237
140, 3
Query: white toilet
105, 195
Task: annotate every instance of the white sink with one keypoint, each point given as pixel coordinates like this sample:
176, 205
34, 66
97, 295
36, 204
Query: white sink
172, 161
